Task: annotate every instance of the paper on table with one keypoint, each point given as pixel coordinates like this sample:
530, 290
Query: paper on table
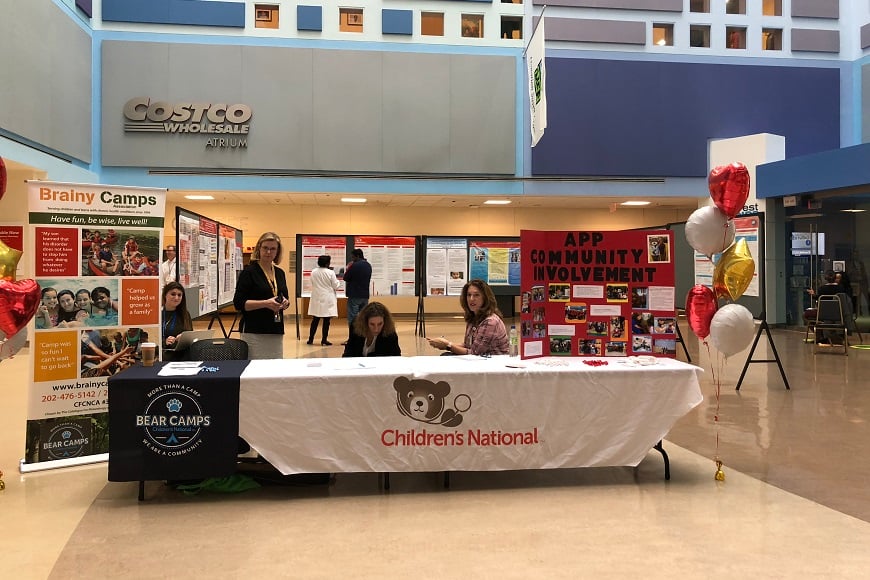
178, 369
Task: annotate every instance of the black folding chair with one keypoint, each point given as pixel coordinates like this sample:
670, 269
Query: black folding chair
213, 349
831, 325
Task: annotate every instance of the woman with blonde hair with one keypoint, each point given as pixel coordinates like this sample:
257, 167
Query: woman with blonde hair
261, 297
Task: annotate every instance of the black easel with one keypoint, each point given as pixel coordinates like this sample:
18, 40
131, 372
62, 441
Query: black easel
420, 324
680, 338
765, 328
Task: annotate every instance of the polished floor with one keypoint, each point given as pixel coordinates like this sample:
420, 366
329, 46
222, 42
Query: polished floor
795, 501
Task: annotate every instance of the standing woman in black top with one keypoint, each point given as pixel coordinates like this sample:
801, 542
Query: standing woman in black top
261, 297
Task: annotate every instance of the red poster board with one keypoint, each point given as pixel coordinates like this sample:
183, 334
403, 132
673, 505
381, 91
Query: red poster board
597, 294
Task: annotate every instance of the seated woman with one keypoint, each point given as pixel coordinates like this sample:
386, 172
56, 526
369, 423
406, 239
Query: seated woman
175, 318
485, 333
373, 333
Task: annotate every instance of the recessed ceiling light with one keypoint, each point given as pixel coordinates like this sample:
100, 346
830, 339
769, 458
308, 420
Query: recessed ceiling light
198, 197
635, 203
353, 199
497, 202
853, 210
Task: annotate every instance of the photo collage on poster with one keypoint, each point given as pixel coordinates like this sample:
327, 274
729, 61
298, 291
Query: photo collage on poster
109, 299
604, 294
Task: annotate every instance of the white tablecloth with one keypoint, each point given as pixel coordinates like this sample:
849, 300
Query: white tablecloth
344, 415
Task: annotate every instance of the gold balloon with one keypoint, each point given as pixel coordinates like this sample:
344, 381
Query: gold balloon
734, 271
720, 475
8, 262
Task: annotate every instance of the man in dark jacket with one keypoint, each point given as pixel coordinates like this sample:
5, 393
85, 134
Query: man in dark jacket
357, 279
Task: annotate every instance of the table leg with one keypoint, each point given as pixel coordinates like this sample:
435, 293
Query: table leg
658, 447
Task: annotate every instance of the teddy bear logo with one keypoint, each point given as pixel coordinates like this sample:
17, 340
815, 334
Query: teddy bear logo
424, 401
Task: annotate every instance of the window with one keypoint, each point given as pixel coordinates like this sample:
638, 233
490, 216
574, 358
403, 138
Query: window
265, 16
699, 36
472, 25
663, 34
772, 8
771, 39
350, 19
512, 27
735, 37
735, 6
432, 23
699, 6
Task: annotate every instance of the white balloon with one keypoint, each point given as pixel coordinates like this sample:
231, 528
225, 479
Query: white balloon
709, 231
731, 329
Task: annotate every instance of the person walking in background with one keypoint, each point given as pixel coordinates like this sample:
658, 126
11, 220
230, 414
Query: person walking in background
357, 278
323, 303
261, 297
374, 333
485, 333
167, 268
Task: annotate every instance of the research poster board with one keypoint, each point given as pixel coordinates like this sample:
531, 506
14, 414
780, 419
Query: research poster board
450, 262
393, 260
597, 293
394, 263
229, 262
310, 247
95, 254
197, 251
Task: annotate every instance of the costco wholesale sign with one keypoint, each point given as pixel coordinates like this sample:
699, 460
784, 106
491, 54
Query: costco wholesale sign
597, 293
144, 116
96, 256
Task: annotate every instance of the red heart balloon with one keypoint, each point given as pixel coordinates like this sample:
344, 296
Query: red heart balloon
700, 308
18, 303
729, 187
2, 177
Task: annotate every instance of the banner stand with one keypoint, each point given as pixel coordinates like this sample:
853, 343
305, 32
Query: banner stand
59, 463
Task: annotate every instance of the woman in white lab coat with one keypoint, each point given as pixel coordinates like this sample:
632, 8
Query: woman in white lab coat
324, 302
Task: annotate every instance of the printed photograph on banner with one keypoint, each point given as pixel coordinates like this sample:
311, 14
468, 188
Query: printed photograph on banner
596, 328
665, 325
525, 299
641, 344
590, 346
640, 297
560, 345
106, 352
575, 313
617, 327
666, 346
526, 329
538, 294
658, 249
616, 292
120, 252
615, 348
559, 292
76, 302
641, 322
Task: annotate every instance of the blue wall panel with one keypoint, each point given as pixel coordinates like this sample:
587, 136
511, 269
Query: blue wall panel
397, 22
189, 12
624, 118
309, 18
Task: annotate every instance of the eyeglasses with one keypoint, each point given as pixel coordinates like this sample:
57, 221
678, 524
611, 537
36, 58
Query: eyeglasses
267, 249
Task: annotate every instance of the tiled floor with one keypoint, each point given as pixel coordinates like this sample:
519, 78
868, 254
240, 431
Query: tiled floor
795, 500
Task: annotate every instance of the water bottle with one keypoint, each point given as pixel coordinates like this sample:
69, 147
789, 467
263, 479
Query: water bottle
514, 341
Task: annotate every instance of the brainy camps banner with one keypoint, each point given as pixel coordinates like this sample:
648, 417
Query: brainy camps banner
96, 256
597, 293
